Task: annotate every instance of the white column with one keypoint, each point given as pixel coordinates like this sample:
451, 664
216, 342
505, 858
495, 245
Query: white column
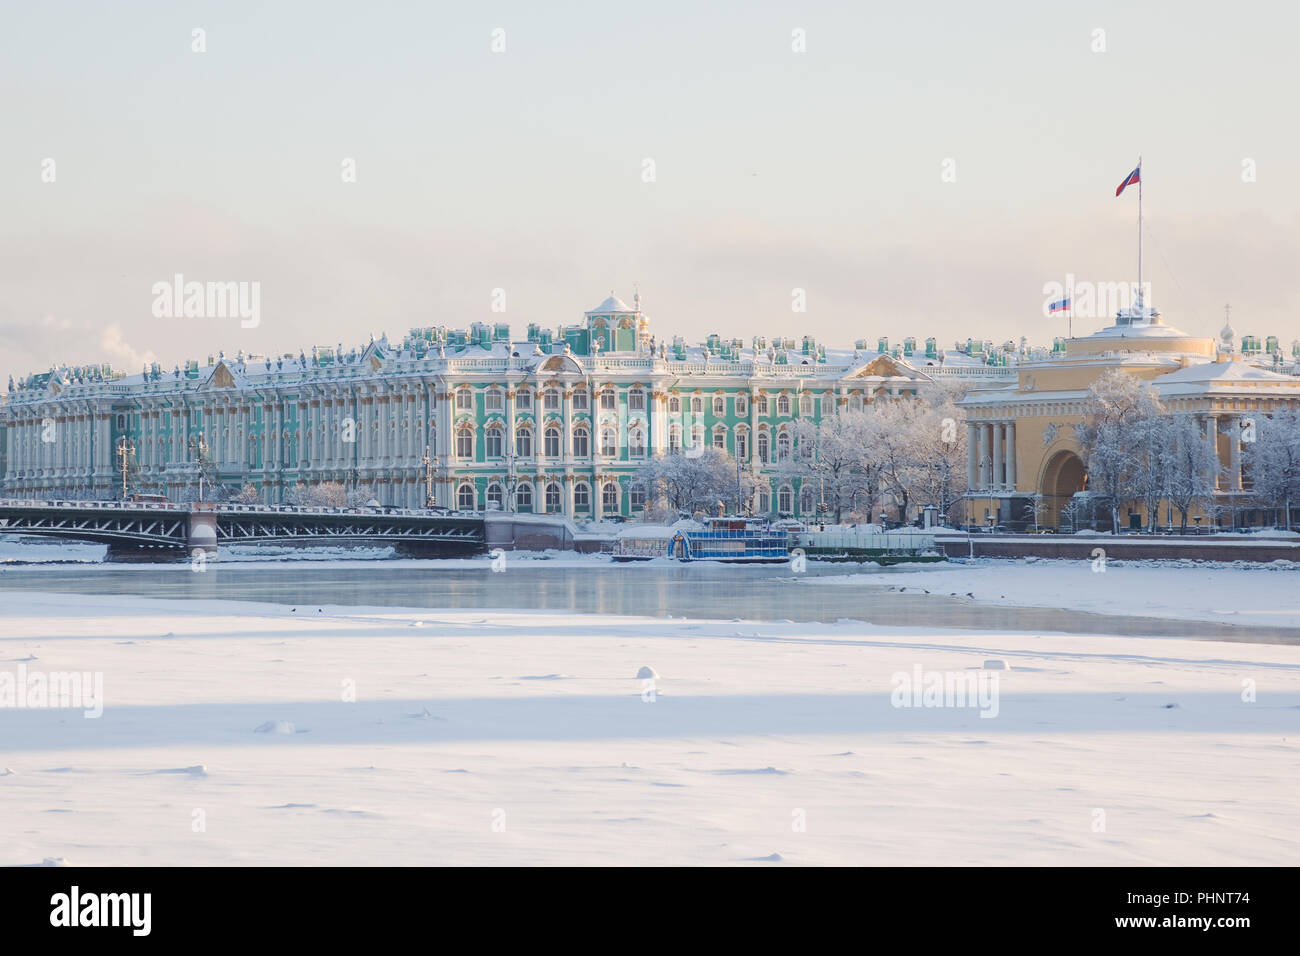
1010, 450
1234, 455
995, 455
972, 457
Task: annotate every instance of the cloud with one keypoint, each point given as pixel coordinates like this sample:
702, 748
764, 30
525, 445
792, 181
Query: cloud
121, 352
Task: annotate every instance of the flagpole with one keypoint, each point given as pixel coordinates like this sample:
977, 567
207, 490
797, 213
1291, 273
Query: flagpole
1140, 230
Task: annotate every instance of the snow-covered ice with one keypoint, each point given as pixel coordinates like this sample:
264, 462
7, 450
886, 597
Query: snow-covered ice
766, 744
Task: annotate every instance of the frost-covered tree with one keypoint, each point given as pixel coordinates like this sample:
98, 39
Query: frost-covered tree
1272, 461
1192, 467
695, 481
1119, 407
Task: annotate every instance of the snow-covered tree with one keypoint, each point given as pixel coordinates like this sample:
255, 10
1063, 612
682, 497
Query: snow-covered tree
1272, 461
1119, 406
1192, 467
695, 481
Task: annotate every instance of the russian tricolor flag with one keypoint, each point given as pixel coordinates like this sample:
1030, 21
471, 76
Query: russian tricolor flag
1133, 177
1062, 305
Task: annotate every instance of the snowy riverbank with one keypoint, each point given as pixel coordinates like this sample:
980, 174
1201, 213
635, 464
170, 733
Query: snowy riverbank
494, 737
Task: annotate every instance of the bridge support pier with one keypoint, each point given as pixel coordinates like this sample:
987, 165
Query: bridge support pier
202, 534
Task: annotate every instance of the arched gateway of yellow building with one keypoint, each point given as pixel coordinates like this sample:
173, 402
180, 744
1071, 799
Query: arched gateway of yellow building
1024, 464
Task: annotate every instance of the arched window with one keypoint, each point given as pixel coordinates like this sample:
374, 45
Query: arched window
742, 405
495, 496
719, 406
524, 400
636, 442
465, 442
855, 402
674, 438
783, 405
494, 401
524, 497
636, 400
553, 496
636, 497
582, 496
608, 443
742, 444
763, 449
697, 405
492, 441
785, 499
579, 399
465, 497
609, 497
552, 442
581, 443
551, 400
464, 400
607, 401
807, 501
524, 442
783, 446
805, 405
762, 404
764, 500
674, 404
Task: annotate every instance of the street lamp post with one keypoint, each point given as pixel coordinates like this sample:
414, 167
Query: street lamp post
430, 500
199, 449
125, 449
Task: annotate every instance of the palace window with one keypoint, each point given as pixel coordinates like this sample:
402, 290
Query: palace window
762, 404
636, 443
697, 436
636, 400
551, 440
609, 497
465, 497
742, 445
805, 405
608, 442
524, 399
524, 443
553, 497
785, 499
742, 405
674, 438
495, 496
636, 497
494, 401
763, 449
783, 447
697, 405
607, 403
493, 443
855, 402
581, 443
719, 407
524, 497
551, 400
720, 439
764, 500
674, 404
783, 405
580, 400
464, 400
581, 496
807, 505
465, 443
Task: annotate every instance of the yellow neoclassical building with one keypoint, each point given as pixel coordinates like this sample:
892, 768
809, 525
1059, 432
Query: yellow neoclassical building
1021, 441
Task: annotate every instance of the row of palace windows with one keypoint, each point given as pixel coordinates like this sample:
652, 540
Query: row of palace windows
526, 498
494, 400
550, 496
494, 441
784, 443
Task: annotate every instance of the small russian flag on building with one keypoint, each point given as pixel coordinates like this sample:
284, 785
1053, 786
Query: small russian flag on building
1062, 305
1133, 177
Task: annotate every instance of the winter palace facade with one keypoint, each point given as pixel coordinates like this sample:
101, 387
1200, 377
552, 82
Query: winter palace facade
561, 421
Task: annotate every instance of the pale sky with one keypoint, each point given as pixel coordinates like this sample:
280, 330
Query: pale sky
523, 169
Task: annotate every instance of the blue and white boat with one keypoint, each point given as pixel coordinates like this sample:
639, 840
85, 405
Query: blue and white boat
729, 539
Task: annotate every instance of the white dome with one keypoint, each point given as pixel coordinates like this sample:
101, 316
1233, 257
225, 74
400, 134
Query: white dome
612, 304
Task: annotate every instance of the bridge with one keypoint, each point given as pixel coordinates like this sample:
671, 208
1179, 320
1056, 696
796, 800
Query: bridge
140, 529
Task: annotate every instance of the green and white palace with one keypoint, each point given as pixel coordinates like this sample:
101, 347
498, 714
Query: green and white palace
559, 422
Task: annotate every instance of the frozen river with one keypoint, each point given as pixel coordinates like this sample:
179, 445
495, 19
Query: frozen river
707, 591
